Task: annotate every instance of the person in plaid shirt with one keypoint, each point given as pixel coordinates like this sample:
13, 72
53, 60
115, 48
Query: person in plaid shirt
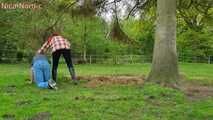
60, 46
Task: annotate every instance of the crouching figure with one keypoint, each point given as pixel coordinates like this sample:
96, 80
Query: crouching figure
41, 72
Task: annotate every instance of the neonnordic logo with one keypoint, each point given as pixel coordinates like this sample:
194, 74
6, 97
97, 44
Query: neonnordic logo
24, 5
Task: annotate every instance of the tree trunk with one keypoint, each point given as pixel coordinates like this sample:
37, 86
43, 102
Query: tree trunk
164, 69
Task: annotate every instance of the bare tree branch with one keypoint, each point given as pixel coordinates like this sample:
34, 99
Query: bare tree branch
138, 4
51, 27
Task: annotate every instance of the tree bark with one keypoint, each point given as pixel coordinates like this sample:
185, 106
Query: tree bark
164, 69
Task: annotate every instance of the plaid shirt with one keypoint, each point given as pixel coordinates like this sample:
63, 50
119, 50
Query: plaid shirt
56, 43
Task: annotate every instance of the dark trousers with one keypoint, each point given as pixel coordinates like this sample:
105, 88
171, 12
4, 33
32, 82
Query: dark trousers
67, 56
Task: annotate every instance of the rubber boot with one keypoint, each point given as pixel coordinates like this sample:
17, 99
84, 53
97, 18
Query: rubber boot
73, 75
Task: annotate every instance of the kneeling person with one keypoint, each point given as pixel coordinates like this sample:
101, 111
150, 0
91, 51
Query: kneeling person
41, 72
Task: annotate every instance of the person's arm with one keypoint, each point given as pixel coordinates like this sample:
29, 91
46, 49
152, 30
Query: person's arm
44, 47
30, 80
31, 75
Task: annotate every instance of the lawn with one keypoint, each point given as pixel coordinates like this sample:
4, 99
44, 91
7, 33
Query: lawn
21, 101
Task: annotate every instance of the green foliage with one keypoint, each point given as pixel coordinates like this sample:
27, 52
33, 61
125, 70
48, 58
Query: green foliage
22, 31
143, 33
195, 44
90, 34
147, 38
9, 34
196, 14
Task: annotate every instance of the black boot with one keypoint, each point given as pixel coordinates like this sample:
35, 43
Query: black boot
73, 75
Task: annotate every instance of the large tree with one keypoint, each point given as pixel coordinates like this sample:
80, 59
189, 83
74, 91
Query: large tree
164, 65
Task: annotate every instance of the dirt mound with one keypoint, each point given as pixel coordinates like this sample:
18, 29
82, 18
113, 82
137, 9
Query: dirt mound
196, 92
192, 91
94, 81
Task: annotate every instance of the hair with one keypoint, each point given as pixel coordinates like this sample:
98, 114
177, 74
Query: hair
55, 34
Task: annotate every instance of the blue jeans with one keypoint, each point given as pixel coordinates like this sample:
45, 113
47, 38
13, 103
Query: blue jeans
41, 71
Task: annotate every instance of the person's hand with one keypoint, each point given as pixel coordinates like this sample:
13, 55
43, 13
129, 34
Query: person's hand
38, 52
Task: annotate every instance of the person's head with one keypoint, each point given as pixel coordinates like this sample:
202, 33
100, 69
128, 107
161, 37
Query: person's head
55, 34
50, 32
52, 35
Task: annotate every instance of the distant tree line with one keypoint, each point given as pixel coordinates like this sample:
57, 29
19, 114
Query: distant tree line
130, 28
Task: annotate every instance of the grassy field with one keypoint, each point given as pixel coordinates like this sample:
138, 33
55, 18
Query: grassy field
20, 101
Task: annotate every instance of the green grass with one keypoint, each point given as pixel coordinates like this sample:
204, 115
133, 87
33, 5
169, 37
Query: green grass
114, 102
202, 73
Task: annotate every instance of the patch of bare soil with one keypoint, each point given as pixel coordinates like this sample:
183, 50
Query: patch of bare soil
196, 92
193, 91
94, 81
41, 116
